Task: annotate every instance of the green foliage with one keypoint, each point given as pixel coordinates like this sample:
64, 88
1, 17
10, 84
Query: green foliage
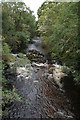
43, 6
65, 70
22, 41
5, 52
20, 55
4, 81
8, 95
58, 25
77, 77
18, 25
22, 61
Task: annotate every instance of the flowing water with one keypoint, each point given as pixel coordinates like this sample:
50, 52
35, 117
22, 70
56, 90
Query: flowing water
41, 96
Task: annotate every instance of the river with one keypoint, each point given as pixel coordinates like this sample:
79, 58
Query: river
41, 96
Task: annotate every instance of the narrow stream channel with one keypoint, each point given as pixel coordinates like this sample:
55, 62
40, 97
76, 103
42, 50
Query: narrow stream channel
41, 96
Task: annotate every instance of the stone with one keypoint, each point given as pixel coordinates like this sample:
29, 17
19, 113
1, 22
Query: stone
50, 76
59, 115
51, 70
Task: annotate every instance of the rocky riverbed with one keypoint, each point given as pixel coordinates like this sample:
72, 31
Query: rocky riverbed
41, 96
39, 85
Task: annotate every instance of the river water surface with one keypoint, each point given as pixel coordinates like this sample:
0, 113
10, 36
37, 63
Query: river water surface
41, 96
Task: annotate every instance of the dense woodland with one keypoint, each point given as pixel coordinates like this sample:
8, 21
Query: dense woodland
58, 27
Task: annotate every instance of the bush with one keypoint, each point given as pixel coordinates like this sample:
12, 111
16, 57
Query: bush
6, 53
8, 95
20, 55
22, 41
65, 69
76, 75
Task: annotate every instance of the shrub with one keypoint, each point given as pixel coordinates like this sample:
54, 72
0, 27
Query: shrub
5, 52
8, 95
22, 41
65, 69
76, 75
20, 55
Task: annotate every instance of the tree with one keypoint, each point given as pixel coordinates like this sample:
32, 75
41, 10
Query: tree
17, 18
58, 25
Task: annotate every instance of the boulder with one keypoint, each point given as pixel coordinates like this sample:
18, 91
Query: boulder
63, 80
57, 75
35, 56
51, 69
